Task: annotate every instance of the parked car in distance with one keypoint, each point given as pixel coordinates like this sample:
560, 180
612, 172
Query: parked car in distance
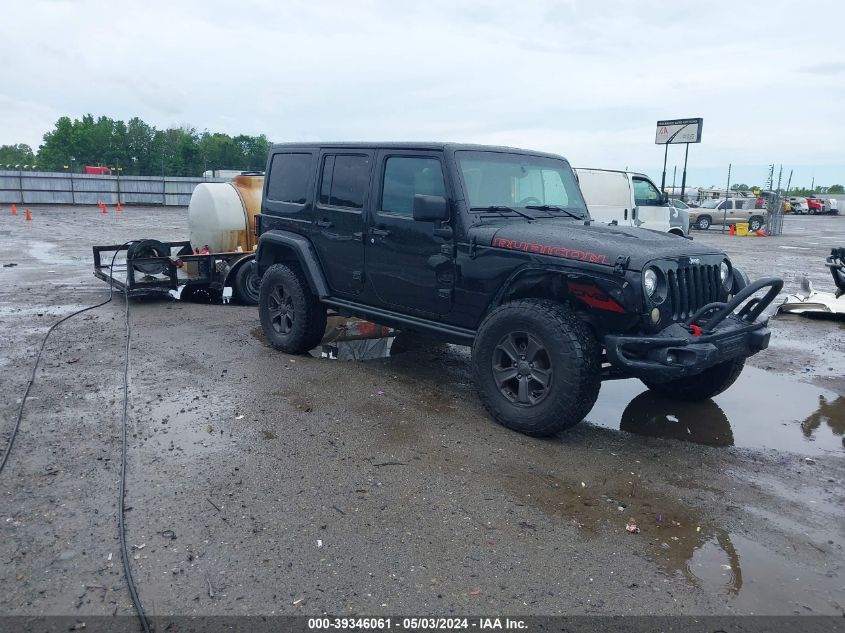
726, 212
96, 170
815, 205
629, 199
800, 206
831, 205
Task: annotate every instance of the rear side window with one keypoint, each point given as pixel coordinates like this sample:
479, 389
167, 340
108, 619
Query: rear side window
289, 178
406, 177
344, 181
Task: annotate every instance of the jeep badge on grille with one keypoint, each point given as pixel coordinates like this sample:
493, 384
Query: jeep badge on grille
694, 260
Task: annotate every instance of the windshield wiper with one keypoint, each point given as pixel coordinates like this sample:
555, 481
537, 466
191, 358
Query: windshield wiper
551, 207
500, 209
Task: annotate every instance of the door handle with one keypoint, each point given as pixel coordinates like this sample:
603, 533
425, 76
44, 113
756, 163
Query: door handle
324, 224
380, 232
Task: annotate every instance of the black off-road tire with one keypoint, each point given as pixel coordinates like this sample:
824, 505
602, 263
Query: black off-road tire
247, 284
304, 322
755, 223
711, 382
574, 358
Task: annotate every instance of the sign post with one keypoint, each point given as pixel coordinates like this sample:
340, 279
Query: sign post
673, 131
727, 200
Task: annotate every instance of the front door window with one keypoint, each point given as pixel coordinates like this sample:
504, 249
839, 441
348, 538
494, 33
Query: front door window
645, 193
406, 177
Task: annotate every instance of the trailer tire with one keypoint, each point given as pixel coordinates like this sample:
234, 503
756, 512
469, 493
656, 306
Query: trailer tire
247, 284
293, 319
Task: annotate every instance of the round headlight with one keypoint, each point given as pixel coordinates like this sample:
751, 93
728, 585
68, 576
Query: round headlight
650, 281
724, 272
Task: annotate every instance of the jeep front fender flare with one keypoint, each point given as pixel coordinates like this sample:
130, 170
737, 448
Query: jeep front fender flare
275, 247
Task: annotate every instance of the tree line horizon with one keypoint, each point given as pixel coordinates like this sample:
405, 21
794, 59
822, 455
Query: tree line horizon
138, 148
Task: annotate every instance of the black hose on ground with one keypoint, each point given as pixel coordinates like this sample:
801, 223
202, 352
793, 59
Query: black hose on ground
124, 551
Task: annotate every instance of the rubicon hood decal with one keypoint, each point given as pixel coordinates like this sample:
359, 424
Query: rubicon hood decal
595, 244
550, 249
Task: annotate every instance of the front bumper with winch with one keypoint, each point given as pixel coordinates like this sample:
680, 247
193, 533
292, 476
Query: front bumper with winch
714, 334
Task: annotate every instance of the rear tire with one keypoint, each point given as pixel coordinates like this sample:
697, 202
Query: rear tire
711, 382
292, 318
536, 366
247, 284
703, 223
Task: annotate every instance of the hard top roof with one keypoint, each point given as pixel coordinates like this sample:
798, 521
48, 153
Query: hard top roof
415, 145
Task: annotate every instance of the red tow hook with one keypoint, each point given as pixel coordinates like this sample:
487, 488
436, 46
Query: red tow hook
696, 331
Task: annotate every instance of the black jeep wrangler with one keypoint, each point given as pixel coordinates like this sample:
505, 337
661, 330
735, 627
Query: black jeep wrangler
493, 247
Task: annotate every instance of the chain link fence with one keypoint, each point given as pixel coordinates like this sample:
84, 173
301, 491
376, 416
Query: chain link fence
774, 213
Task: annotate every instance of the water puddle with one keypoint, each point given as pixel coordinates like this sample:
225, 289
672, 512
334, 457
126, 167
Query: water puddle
45, 252
754, 579
358, 340
188, 429
761, 410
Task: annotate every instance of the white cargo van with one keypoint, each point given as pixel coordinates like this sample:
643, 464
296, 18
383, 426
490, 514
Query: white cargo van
630, 199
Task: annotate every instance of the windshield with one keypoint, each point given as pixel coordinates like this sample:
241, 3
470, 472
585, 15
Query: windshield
711, 204
679, 205
498, 179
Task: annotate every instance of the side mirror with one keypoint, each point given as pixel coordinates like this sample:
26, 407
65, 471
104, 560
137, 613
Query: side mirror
430, 208
664, 198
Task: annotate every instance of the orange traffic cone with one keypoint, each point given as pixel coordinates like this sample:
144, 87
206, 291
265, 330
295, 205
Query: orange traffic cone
104, 210
14, 209
733, 229
119, 208
28, 216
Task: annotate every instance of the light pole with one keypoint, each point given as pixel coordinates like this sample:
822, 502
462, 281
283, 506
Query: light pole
20, 180
72, 188
117, 171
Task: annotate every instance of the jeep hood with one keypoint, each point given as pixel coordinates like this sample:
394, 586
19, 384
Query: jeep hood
596, 243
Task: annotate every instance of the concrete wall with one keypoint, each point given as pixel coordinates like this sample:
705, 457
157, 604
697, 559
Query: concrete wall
45, 187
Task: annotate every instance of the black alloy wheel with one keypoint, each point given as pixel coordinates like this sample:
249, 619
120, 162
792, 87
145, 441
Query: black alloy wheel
522, 369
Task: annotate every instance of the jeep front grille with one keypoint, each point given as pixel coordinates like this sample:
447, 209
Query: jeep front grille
692, 287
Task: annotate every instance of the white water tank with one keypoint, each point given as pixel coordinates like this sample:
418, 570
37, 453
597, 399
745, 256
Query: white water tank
217, 217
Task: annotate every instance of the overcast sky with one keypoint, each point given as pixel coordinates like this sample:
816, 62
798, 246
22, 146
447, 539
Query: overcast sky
585, 79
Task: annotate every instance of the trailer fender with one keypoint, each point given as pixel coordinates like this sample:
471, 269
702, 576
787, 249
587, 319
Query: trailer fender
234, 266
278, 247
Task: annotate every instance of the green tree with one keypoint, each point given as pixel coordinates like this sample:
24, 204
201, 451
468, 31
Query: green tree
139, 148
836, 189
20, 154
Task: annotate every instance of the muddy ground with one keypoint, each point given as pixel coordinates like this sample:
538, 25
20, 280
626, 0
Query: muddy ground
261, 483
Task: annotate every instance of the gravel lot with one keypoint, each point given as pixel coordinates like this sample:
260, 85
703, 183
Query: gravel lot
260, 483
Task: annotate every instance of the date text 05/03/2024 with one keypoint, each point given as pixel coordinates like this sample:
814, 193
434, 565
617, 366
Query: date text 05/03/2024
416, 624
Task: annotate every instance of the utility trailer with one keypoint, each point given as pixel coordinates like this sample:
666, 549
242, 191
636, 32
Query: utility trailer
144, 267
221, 222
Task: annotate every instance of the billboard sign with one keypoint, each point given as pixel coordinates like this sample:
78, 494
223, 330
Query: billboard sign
679, 131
